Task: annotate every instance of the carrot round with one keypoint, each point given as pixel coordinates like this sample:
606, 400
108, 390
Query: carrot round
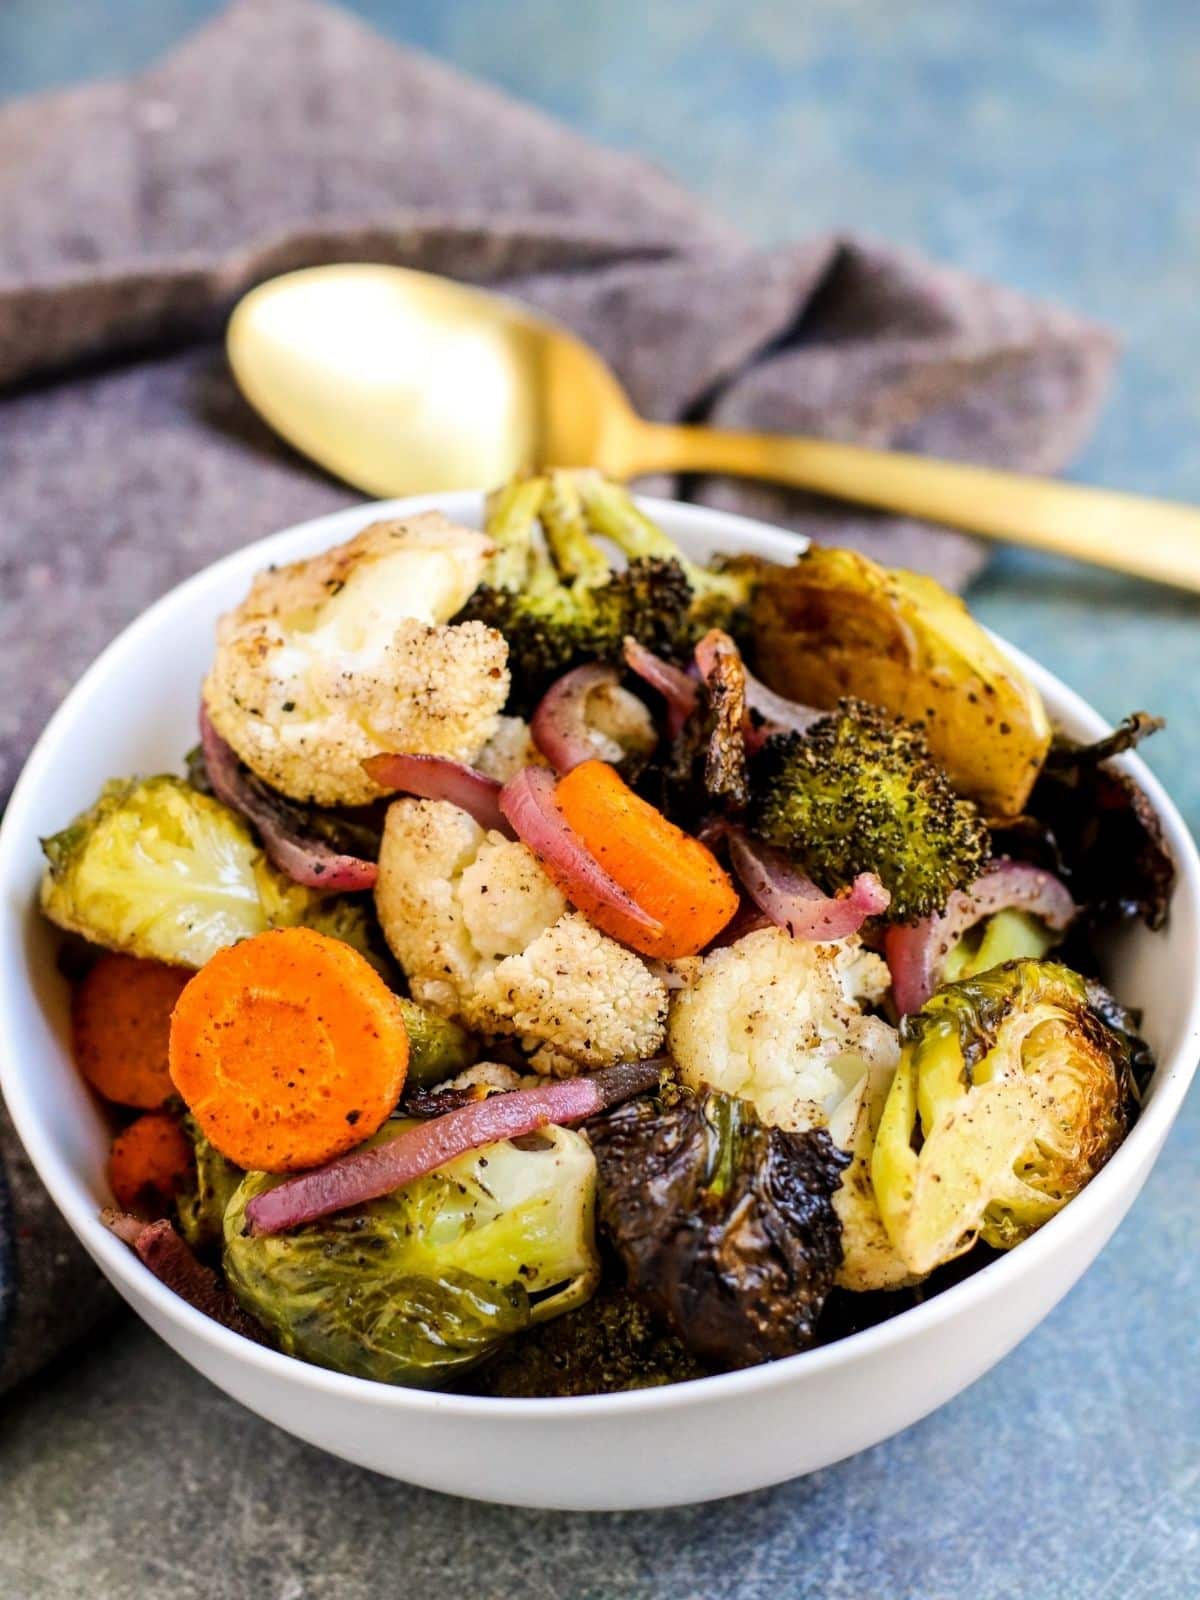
288, 1048
673, 877
121, 1025
149, 1164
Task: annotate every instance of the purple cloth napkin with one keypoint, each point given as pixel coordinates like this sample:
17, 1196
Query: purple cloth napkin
287, 134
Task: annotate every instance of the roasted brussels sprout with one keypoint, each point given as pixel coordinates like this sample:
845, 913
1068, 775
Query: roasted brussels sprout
869, 1260
1011, 1094
611, 1344
201, 1214
157, 869
1004, 936
835, 623
420, 1285
726, 1227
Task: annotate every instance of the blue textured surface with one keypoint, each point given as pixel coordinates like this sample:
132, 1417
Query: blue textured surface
1056, 147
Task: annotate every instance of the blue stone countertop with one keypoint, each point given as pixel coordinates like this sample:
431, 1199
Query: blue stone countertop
1056, 146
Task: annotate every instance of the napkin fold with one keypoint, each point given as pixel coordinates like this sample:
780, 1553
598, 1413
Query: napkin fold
288, 134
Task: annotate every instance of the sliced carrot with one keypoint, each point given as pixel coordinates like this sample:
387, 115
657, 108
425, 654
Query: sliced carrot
288, 1048
673, 877
120, 1027
149, 1164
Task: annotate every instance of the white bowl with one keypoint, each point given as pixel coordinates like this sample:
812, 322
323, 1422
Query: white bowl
134, 711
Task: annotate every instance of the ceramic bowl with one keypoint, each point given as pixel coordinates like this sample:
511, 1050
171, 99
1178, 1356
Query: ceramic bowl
135, 711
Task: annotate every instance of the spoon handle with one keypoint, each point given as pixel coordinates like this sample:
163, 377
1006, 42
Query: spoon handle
1156, 539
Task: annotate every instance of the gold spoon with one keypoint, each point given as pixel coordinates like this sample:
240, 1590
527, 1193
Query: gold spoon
400, 382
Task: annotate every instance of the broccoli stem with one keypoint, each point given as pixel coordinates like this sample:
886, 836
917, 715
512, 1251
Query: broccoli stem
612, 512
511, 523
575, 552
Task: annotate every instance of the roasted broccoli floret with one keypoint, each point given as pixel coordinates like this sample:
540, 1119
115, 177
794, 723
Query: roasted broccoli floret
860, 792
559, 602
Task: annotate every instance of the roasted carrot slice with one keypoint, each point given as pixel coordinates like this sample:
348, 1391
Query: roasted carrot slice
120, 1027
149, 1164
288, 1048
673, 877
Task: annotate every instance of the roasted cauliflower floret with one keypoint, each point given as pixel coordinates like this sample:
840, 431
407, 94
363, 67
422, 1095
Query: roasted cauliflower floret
778, 1021
510, 748
351, 653
486, 938
582, 997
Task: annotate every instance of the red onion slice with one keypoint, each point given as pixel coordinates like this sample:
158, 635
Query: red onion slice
794, 902
778, 714
560, 726
917, 951
305, 860
436, 778
527, 800
365, 1175
681, 692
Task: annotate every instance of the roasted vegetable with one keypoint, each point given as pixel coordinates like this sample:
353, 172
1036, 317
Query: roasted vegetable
609, 1345
559, 604
351, 653
869, 1260
423, 1283
835, 623
1093, 825
200, 1212
783, 1023
1011, 1094
860, 792
157, 869
726, 1227
719, 593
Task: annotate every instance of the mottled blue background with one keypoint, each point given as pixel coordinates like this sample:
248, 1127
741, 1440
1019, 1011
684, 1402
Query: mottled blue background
1056, 146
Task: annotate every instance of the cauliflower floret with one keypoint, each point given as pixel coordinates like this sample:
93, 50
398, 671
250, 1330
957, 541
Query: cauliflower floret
777, 1021
444, 883
349, 654
485, 937
509, 749
489, 1075
585, 999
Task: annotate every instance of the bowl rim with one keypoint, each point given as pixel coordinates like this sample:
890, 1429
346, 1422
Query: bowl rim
121, 1265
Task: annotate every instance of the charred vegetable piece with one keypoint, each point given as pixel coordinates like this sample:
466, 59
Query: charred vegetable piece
1095, 827
421, 1284
720, 665
172, 1262
726, 1226
836, 624
157, 869
860, 792
1011, 1094
609, 1345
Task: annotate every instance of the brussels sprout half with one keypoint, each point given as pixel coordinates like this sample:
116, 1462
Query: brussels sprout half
157, 869
1010, 1096
425, 1282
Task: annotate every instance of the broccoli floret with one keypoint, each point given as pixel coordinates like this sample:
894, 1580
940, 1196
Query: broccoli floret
560, 603
860, 792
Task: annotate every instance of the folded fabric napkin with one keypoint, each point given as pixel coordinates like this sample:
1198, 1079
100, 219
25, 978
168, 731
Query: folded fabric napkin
287, 134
